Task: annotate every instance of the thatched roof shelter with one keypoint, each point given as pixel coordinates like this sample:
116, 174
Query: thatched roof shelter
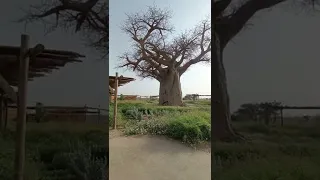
41, 65
122, 81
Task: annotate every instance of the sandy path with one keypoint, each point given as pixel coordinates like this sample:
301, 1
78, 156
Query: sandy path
156, 158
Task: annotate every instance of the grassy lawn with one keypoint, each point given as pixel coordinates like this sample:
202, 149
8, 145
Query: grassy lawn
291, 152
189, 124
58, 151
78, 151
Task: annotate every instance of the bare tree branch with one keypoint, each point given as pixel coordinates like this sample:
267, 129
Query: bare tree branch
203, 41
89, 17
200, 58
228, 26
219, 7
155, 51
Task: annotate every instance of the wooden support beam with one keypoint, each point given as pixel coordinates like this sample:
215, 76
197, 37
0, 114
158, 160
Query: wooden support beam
21, 121
99, 114
115, 109
85, 110
281, 116
1, 113
6, 114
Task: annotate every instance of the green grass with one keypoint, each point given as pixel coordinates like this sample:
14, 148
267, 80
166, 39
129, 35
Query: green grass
190, 123
291, 152
58, 151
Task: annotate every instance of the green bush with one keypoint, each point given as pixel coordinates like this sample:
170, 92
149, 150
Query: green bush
190, 124
154, 127
133, 114
6, 165
190, 128
121, 97
58, 155
79, 162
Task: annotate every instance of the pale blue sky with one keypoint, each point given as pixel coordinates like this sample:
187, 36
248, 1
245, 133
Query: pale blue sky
186, 14
73, 85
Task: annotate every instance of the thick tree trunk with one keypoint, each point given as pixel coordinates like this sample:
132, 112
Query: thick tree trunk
1, 113
221, 117
170, 89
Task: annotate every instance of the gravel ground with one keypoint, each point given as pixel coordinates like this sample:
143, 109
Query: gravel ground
155, 158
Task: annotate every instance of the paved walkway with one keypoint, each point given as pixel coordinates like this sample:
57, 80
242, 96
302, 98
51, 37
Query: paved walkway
156, 158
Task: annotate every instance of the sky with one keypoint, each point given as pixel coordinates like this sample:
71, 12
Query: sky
276, 58
72, 85
186, 14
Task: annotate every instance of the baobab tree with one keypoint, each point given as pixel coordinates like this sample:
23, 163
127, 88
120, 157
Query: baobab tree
229, 18
156, 54
89, 17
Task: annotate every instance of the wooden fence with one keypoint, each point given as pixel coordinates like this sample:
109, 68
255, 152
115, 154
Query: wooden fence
136, 97
125, 97
64, 113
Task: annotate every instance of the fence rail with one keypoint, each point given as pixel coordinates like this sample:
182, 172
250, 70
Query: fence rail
129, 97
62, 107
66, 113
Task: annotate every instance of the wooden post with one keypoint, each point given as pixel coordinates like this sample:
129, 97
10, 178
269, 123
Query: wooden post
21, 121
1, 112
99, 114
6, 114
115, 109
281, 116
85, 113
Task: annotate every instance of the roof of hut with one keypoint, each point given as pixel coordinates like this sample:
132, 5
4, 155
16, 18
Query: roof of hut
122, 80
41, 65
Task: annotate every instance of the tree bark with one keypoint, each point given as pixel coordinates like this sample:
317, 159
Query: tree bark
221, 117
1, 113
170, 89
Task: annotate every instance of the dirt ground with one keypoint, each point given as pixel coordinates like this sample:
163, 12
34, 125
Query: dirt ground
156, 158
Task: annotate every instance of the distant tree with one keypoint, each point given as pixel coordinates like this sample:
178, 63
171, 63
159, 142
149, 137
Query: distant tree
121, 97
90, 17
266, 111
156, 54
271, 111
229, 18
249, 111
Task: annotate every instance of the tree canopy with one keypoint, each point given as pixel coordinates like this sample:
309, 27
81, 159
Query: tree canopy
155, 50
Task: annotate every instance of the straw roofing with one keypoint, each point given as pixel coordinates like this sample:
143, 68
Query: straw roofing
41, 65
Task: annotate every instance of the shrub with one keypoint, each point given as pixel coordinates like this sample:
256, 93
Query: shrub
154, 127
80, 162
6, 165
133, 114
51, 154
121, 97
189, 127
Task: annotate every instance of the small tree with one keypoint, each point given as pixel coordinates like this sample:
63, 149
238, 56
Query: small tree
155, 54
121, 97
248, 110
